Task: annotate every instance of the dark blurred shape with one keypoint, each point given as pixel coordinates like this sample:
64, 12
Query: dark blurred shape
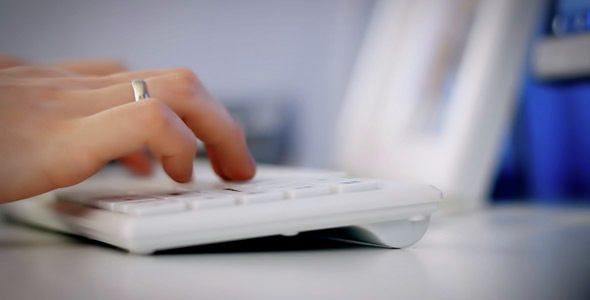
570, 17
547, 154
301, 242
563, 57
563, 50
268, 121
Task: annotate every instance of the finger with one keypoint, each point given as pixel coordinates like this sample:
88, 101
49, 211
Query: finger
215, 163
9, 61
124, 77
91, 67
38, 73
125, 129
204, 116
97, 82
72, 83
137, 162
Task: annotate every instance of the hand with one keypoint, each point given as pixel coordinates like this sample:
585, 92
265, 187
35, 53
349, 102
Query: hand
57, 128
138, 162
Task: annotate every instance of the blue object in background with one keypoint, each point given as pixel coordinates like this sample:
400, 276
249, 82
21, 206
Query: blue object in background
547, 154
571, 16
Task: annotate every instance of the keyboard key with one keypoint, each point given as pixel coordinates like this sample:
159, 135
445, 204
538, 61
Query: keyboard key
304, 191
111, 202
261, 184
173, 194
258, 197
206, 200
92, 198
353, 185
149, 207
115, 204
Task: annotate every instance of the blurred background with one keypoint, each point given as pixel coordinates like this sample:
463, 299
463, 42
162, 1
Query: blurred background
289, 70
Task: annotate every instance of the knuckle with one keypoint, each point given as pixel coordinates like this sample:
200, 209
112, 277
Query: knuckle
185, 74
155, 115
185, 83
159, 119
115, 65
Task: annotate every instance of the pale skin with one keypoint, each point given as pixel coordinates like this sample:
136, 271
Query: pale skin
62, 123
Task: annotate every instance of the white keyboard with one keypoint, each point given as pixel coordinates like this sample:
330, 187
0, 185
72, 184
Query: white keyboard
144, 216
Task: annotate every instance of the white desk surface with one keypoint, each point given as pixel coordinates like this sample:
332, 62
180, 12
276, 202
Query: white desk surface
507, 252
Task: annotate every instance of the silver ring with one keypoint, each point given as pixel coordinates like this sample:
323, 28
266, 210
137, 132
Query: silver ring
139, 89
